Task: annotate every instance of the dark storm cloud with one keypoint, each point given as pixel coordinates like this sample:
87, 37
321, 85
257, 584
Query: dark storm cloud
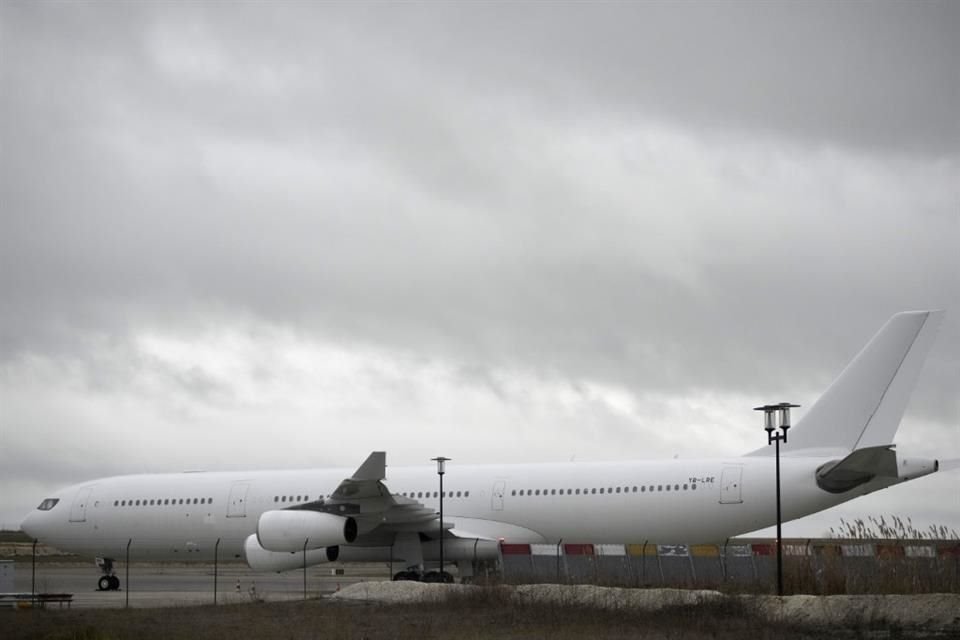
412, 175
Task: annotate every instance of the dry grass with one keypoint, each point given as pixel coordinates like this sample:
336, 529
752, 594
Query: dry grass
487, 614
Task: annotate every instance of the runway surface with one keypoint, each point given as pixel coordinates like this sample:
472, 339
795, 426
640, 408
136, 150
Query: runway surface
166, 585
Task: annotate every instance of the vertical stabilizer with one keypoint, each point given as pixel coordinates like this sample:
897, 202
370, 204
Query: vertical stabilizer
864, 405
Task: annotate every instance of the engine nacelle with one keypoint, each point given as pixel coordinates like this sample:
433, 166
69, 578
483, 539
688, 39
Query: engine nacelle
259, 559
299, 530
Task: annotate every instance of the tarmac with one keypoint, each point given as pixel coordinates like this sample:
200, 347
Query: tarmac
176, 585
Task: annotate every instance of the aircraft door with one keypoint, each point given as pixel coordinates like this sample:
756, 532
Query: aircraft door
730, 489
496, 496
237, 504
78, 512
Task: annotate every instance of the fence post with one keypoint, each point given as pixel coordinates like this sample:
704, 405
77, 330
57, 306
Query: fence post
305, 568
126, 566
560, 542
216, 557
33, 577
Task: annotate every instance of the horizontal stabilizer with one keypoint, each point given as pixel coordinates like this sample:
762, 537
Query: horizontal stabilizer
861, 466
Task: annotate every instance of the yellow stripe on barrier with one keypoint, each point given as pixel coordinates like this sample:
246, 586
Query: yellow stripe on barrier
705, 550
641, 550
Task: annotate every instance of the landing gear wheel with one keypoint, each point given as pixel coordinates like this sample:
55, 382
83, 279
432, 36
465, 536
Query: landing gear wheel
438, 576
105, 583
407, 575
114, 583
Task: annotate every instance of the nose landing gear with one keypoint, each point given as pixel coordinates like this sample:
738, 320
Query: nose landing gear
108, 581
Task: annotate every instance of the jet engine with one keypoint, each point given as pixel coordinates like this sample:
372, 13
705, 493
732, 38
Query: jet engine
298, 530
259, 559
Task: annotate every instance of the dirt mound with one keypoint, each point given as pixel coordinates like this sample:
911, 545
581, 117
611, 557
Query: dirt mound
934, 611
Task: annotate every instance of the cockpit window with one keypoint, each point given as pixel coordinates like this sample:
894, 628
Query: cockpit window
48, 504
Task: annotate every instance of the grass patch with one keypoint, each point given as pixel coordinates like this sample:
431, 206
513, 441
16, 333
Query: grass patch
487, 614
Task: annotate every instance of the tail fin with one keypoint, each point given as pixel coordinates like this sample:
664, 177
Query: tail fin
864, 405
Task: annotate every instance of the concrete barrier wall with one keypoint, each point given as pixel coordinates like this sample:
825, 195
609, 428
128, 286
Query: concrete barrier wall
810, 566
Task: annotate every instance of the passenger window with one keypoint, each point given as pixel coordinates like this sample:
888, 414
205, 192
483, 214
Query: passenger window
593, 490
642, 489
618, 489
466, 494
194, 501
659, 487
209, 500
668, 487
578, 491
684, 486
693, 487
601, 489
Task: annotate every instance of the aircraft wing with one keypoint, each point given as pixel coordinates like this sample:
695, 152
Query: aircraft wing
366, 498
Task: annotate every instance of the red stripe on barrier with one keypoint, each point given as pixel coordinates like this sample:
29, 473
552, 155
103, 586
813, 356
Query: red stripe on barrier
949, 552
764, 549
514, 549
889, 551
578, 549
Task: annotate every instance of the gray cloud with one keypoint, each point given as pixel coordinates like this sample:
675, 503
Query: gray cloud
673, 200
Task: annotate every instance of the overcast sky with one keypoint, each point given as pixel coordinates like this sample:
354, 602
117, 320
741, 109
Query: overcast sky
288, 234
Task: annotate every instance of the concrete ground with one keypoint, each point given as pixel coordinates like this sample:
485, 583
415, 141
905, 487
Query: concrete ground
162, 585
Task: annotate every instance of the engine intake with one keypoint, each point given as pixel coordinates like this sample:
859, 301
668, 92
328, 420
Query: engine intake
289, 531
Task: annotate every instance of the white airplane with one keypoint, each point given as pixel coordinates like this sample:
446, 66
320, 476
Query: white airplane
281, 520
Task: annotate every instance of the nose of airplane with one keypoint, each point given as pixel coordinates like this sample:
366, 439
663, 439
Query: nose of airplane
29, 525
35, 525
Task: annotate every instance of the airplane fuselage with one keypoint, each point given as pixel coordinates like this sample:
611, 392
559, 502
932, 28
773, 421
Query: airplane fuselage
182, 516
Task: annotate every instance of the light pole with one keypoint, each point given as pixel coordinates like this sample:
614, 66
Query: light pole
441, 462
769, 410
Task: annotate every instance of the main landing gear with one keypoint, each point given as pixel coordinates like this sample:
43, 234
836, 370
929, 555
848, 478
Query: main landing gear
437, 576
414, 575
108, 581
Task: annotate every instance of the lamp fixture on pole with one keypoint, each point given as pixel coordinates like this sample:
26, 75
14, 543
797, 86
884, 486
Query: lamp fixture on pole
769, 414
441, 469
